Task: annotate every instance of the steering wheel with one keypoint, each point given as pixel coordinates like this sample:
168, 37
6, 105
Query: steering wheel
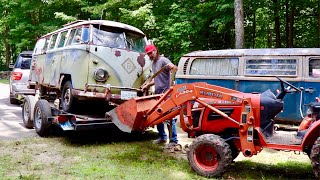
290, 85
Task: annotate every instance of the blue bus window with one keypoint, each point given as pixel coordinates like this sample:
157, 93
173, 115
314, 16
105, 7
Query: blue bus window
314, 68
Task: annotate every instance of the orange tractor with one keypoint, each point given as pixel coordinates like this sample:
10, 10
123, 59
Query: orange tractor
224, 122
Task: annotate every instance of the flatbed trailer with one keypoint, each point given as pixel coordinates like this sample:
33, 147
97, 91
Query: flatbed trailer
42, 114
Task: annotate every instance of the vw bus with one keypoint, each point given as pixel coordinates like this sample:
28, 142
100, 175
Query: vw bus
254, 70
90, 60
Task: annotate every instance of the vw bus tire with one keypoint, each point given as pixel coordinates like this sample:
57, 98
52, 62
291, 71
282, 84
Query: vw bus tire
209, 155
315, 158
68, 101
42, 111
27, 111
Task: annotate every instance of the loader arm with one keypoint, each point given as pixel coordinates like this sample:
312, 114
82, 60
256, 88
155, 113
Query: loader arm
140, 113
137, 114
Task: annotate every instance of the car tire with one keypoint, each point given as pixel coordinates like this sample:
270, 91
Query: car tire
42, 112
68, 101
28, 111
14, 101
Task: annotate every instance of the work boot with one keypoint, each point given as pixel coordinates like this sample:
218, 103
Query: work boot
159, 141
172, 145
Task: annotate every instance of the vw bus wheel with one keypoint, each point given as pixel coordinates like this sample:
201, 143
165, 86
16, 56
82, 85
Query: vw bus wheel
67, 98
27, 111
209, 155
315, 158
42, 111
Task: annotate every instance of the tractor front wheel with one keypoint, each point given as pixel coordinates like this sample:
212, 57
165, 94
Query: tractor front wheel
315, 158
209, 155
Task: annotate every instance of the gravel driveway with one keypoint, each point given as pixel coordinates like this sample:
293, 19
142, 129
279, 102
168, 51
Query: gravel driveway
11, 126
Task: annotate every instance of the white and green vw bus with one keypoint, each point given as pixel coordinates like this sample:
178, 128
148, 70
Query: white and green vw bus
94, 59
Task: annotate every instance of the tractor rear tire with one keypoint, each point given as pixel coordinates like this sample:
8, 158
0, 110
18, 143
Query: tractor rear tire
209, 155
28, 111
315, 158
42, 111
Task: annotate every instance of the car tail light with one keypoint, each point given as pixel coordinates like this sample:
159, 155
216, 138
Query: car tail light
16, 75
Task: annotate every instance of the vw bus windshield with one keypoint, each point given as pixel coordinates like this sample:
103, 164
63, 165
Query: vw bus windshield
109, 39
104, 36
135, 42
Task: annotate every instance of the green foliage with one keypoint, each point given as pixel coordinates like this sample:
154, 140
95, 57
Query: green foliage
177, 26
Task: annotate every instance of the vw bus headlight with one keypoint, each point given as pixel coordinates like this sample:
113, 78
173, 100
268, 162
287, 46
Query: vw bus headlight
101, 75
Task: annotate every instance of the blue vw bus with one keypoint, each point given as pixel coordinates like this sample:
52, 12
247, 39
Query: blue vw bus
254, 70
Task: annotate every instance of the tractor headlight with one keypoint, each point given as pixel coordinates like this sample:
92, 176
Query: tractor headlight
101, 75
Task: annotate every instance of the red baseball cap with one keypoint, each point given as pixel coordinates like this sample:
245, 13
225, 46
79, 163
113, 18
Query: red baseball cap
149, 48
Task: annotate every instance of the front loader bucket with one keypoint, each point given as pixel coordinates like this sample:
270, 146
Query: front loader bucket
131, 115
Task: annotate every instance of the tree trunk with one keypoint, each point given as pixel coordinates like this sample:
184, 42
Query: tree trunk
277, 24
287, 24
291, 30
318, 24
239, 24
7, 45
269, 38
254, 33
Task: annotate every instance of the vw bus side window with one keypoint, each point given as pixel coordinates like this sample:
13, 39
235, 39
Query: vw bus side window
71, 36
76, 36
85, 35
314, 68
271, 67
53, 41
102, 36
215, 67
63, 38
46, 44
40, 46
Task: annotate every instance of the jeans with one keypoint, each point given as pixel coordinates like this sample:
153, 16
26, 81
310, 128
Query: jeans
163, 135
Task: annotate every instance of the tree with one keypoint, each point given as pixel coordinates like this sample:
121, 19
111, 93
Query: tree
239, 24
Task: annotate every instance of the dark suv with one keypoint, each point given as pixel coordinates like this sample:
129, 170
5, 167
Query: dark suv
19, 77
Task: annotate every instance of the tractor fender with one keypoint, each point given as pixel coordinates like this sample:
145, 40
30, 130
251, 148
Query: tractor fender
312, 134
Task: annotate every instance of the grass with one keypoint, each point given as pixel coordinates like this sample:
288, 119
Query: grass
5, 81
113, 155
83, 157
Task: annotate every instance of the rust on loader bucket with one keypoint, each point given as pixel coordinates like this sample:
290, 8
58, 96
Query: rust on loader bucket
131, 115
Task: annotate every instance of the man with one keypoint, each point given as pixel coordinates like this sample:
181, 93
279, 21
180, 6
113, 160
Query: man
162, 83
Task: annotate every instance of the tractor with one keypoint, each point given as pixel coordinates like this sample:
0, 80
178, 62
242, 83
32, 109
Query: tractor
223, 123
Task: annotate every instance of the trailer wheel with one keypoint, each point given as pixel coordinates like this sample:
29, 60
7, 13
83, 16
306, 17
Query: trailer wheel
27, 111
315, 158
68, 101
209, 155
42, 111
